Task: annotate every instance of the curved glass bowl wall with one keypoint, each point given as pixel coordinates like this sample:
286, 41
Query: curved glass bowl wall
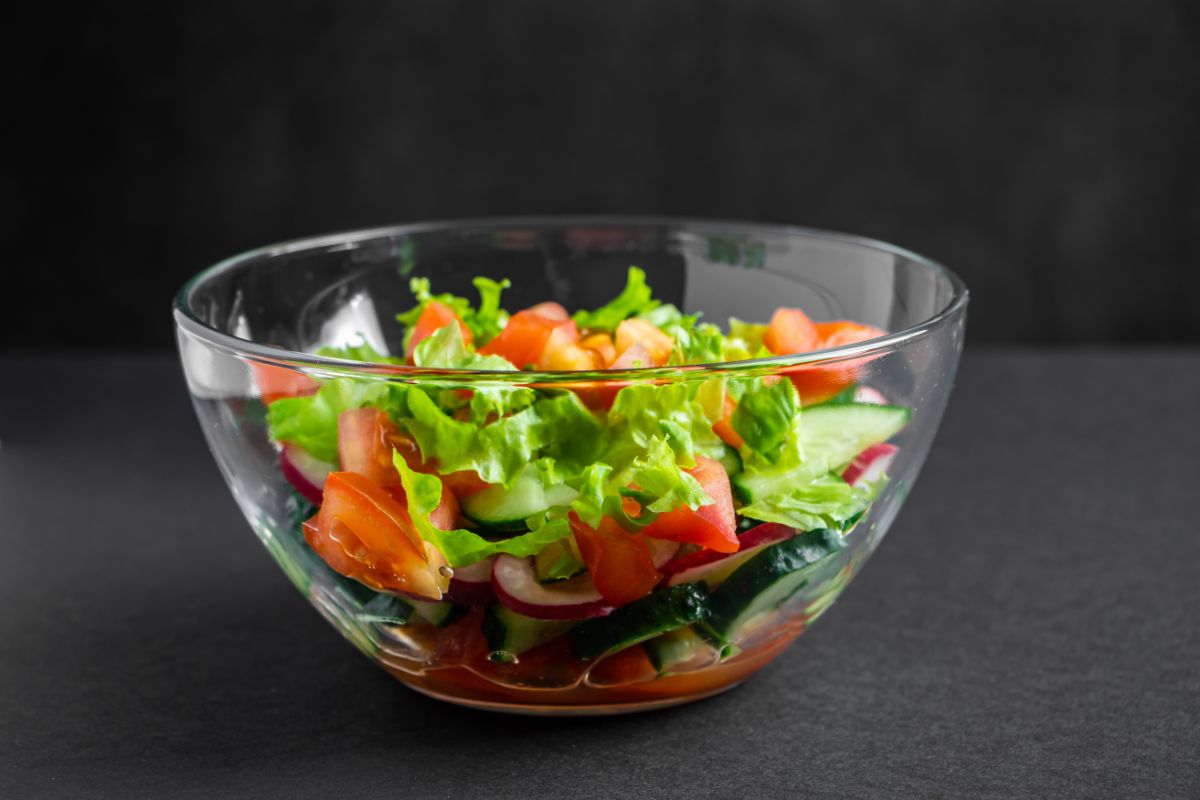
274, 305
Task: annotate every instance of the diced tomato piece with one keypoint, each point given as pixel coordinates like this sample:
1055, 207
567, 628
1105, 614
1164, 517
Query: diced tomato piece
619, 562
433, 317
601, 395
713, 526
523, 339
636, 356
630, 665
724, 426
657, 344
817, 383
275, 382
602, 345
550, 310
563, 351
843, 332
383, 527
791, 331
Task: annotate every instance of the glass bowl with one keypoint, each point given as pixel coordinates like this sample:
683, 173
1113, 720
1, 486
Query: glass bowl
248, 330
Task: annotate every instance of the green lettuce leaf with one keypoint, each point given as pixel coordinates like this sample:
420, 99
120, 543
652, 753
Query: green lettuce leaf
559, 427
745, 341
636, 298
358, 352
642, 412
311, 422
827, 502
489, 319
463, 547
766, 417
445, 349
662, 485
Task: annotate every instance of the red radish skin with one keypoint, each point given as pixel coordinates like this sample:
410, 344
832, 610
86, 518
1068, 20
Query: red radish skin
305, 473
472, 585
516, 586
709, 564
874, 397
871, 464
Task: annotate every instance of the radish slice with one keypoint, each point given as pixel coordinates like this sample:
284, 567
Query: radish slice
865, 394
516, 585
713, 567
662, 551
305, 473
871, 464
472, 585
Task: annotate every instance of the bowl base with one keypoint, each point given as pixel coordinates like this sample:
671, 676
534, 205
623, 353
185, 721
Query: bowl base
465, 687
581, 710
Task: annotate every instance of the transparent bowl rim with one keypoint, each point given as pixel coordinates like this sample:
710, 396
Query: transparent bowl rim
259, 352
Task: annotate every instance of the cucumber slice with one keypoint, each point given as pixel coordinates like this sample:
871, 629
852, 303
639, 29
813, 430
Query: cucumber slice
730, 460
439, 614
675, 647
387, 609
830, 437
505, 510
509, 634
664, 610
766, 581
392, 610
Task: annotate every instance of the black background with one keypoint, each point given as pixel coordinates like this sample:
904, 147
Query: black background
1044, 149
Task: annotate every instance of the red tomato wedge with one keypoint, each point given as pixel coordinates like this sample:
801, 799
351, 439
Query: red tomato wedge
713, 526
523, 338
620, 563
383, 528
658, 345
434, 316
275, 382
366, 438
724, 426
791, 331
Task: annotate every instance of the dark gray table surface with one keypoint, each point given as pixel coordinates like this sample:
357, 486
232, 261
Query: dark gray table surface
1029, 628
